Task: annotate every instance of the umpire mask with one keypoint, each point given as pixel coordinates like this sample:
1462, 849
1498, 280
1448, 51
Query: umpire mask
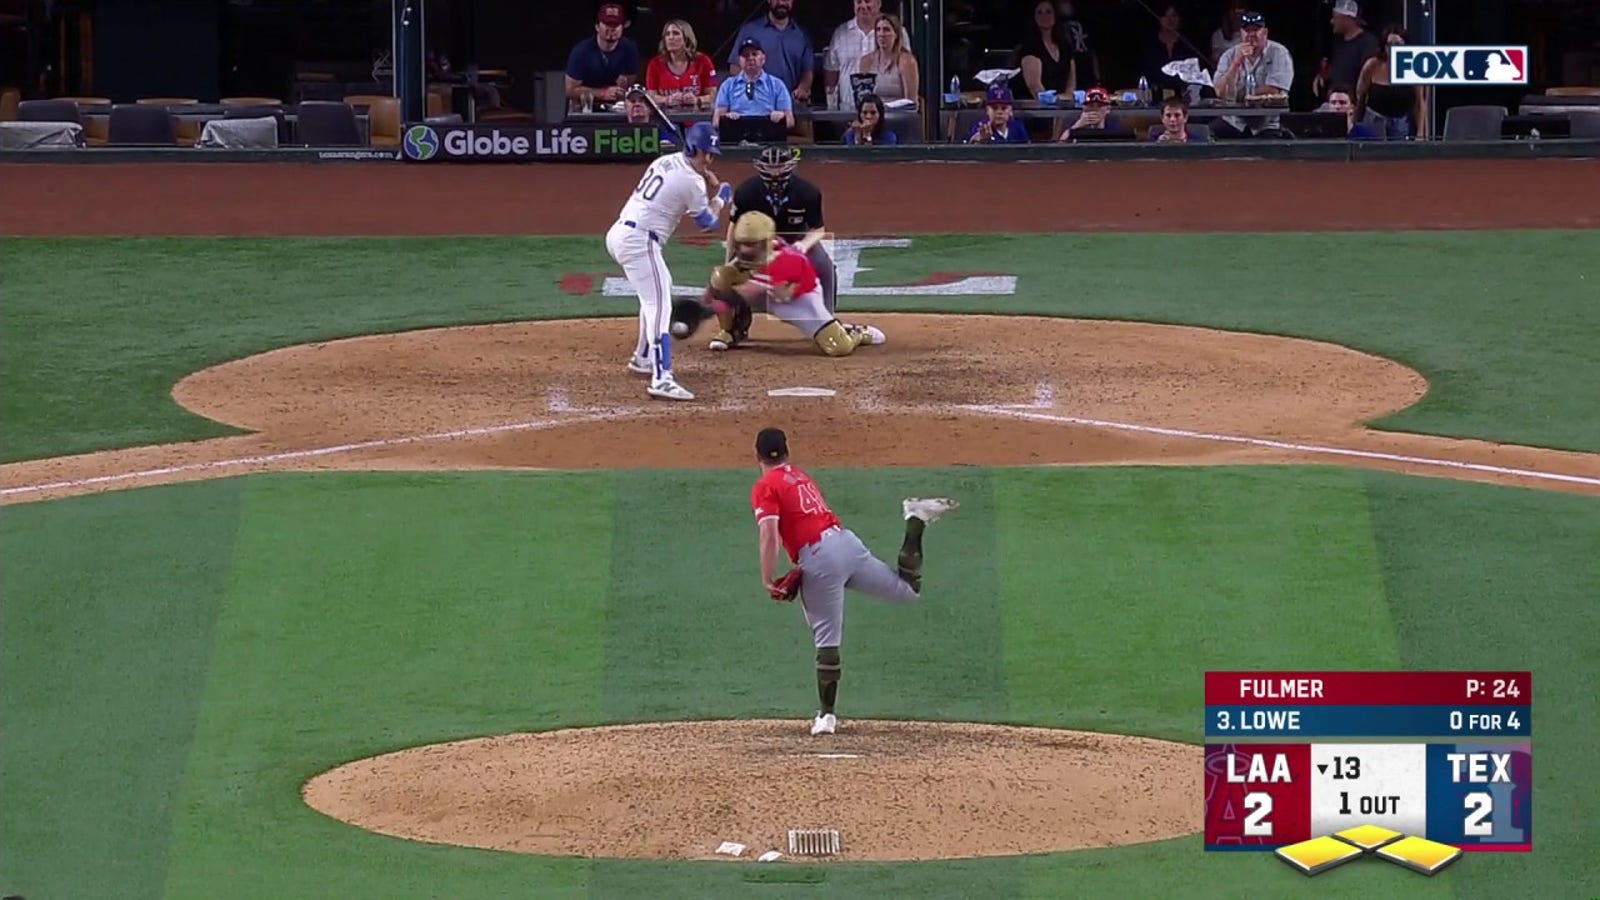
775, 165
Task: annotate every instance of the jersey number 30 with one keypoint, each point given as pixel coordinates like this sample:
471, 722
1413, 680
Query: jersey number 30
649, 186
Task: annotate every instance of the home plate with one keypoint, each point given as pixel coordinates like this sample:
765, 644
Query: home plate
801, 392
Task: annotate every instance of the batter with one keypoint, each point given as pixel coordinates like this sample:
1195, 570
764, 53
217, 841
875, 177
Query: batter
792, 515
674, 186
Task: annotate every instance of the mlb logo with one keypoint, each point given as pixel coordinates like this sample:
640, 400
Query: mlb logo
1489, 65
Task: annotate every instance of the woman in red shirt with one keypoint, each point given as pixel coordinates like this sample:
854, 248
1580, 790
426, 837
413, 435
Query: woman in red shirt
680, 75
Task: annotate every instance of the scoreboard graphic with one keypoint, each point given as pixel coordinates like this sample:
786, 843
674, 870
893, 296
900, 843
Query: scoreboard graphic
1325, 768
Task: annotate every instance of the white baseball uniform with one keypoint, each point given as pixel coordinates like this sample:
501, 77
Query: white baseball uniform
669, 190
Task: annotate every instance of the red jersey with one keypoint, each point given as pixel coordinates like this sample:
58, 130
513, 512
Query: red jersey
791, 495
789, 266
698, 79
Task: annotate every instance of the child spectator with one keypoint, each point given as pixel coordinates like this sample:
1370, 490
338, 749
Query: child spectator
998, 126
1096, 115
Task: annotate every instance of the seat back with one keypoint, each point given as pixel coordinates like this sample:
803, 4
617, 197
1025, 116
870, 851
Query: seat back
324, 123
49, 111
137, 124
10, 99
383, 122
1473, 123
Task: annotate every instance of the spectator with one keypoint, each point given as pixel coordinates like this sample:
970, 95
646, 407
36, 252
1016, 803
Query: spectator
997, 126
1341, 99
1095, 116
680, 75
1393, 111
892, 65
871, 127
1174, 127
1256, 67
1047, 65
605, 65
1353, 45
790, 61
852, 40
1167, 46
755, 94
1078, 43
1227, 34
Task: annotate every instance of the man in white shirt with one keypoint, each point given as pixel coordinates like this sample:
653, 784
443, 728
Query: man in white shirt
674, 186
852, 40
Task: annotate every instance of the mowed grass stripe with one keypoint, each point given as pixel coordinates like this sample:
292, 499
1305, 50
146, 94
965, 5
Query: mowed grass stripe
110, 607
1122, 586
690, 634
1503, 578
373, 612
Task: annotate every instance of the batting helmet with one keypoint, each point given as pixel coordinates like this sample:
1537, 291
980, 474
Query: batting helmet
701, 138
776, 163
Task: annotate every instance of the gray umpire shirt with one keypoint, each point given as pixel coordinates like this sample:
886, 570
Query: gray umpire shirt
1275, 69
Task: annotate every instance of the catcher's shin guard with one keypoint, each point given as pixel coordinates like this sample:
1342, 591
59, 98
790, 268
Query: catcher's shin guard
835, 339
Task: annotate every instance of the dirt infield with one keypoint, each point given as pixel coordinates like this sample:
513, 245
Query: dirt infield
677, 790
556, 395
896, 198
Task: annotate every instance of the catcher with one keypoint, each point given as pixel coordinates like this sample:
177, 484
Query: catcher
768, 270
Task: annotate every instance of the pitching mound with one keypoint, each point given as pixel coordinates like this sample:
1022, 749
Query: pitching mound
676, 790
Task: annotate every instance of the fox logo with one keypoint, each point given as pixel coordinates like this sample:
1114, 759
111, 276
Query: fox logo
1458, 65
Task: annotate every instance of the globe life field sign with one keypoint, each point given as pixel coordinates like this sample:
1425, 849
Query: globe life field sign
529, 143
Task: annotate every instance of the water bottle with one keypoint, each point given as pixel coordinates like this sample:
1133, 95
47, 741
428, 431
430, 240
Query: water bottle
1144, 91
1249, 82
954, 97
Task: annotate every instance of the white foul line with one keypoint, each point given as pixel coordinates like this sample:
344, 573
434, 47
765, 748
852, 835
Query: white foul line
1023, 413
265, 458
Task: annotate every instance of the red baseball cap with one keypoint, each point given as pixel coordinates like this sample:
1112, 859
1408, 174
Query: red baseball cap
1096, 95
611, 14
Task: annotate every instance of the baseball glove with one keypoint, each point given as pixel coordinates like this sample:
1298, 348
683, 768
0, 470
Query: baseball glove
725, 278
788, 587
688, 314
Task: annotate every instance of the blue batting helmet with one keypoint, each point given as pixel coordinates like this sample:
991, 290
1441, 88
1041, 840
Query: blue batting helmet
701, 138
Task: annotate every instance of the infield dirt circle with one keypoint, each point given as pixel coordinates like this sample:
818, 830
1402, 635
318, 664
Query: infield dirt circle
944, 390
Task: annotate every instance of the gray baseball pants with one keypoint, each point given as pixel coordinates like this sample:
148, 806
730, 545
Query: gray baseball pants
835, 562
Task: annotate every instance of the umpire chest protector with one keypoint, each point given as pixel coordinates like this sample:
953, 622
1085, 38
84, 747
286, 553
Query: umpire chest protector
796, 209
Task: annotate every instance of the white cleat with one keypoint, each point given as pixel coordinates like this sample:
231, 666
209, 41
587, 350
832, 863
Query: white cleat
928, 509
874, 335
640, 365
824, 724
667, 389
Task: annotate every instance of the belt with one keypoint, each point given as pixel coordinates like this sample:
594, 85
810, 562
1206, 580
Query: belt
632, 224
825, 532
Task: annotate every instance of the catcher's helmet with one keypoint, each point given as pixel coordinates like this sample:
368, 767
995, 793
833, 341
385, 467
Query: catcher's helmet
701, 138
752, 238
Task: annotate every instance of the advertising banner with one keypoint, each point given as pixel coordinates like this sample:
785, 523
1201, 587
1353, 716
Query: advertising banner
530, 143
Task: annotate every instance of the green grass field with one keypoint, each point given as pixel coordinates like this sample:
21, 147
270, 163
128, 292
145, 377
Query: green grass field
175, 662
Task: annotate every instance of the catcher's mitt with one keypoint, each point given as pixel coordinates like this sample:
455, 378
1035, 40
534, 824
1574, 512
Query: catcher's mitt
688, 314
787, 587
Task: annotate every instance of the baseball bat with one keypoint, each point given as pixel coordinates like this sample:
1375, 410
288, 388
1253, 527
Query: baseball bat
660, 114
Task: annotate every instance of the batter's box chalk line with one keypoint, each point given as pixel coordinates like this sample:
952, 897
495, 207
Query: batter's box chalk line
814, 842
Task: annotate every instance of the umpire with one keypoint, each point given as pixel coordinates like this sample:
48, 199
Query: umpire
794, 203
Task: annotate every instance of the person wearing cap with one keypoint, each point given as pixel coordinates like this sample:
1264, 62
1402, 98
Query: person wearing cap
1353, 45
788, 48
1256, 65
756, 94
1096, 114
604, 65
827, 558
998, 126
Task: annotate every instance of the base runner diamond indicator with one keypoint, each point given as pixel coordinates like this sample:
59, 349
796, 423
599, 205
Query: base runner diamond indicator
1318, 854
1420, 854
1369, 837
